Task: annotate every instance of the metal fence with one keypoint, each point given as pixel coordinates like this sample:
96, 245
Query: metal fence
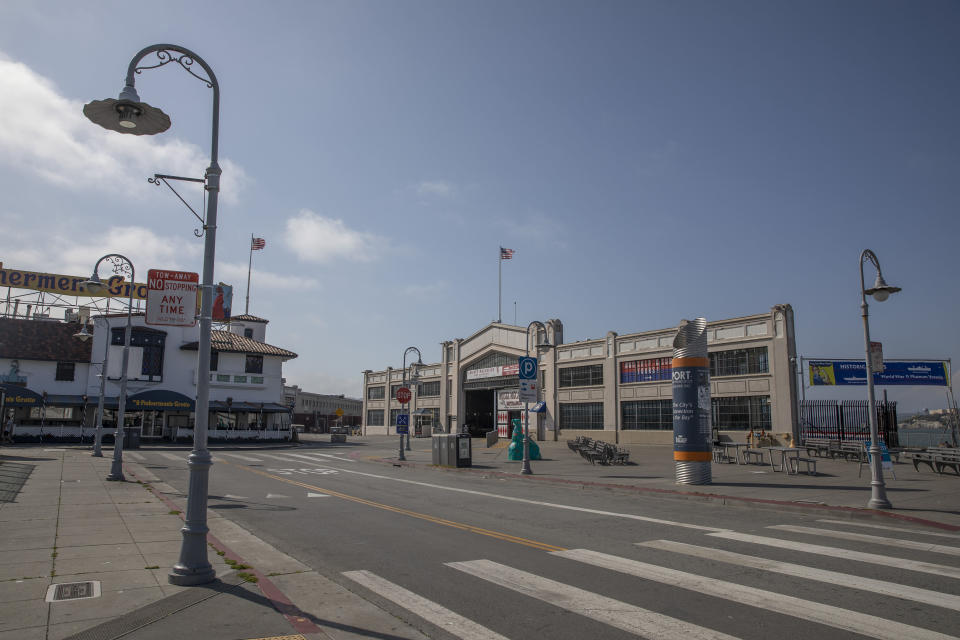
847, 420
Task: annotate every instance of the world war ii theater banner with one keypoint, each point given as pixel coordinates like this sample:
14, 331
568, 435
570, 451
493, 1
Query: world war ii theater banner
853, 372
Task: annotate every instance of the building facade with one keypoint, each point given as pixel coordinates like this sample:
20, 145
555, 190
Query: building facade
317, 412
53, 385
616, 388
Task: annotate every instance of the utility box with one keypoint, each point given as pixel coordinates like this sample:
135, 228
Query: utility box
464, 450
441, 455
452, 450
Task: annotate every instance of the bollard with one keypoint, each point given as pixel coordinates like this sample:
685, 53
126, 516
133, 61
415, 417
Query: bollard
692, 446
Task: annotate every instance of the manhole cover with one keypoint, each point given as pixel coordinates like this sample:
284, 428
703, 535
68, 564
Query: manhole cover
73, 591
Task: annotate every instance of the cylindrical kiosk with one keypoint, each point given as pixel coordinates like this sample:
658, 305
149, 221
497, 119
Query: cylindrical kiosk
692, 442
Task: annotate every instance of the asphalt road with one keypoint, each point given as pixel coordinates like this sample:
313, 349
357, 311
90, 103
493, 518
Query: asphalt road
538, 560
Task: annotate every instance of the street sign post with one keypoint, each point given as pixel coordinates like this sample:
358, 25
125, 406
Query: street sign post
876, 357
403, 395
403, 423
528, 391
172, 298
527, 369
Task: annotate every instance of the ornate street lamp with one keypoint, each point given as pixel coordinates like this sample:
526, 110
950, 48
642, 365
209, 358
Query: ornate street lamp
130, 115
84, 336
121, 266
525, 469
418, 363
880, 292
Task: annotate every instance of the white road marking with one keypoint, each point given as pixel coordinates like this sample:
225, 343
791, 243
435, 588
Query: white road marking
323, 455
880, 587
539, 503
170, 456
430, 611
865, 537
844, 554
318, 495
230, 497
852, 621
276, 495
244, 458
628, 617
888, 528
136, 456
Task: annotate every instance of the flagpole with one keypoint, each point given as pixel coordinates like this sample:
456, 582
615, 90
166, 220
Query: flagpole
249, 269
499, 284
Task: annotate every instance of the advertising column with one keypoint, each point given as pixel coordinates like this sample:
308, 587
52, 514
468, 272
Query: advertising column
692, 443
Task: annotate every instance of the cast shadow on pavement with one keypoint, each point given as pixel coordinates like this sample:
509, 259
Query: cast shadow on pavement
819, 487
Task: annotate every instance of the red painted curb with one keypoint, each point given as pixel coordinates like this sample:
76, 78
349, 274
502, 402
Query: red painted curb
270, 591
713, 497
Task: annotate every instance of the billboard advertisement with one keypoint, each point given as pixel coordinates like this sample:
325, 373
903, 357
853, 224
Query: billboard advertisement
934, 373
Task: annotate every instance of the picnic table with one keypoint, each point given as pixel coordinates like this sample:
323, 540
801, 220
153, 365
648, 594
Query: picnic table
736, 446
783, 453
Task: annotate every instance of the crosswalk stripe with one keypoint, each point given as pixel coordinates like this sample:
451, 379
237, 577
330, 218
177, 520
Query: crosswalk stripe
866, 537
940, 534
135, 456
628, 617
427, 609
845, 554
323, 455
880, 587
311, 457
244, 458
170, 456
825, 614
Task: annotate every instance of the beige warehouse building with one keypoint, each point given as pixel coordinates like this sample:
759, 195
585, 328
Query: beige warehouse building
616, 388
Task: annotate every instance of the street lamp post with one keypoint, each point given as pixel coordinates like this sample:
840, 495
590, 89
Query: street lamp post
418, 363
880, 291
83, 335
121, 265
525, 468
129, 115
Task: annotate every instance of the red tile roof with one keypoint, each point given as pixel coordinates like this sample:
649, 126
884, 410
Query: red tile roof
231, 342
249, 318
49, 340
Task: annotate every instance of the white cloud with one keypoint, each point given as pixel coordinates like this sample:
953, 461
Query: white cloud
46, 134
437, 188
236, 274
315, 238
75, 254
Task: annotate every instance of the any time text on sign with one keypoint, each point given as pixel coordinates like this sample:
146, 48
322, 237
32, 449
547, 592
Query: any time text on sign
172, 298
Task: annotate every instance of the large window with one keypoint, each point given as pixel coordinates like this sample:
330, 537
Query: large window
647, 414
375, 417
582, 376
429, 389
254, 364
739, 362
646, 370
151, 341
65, 371
741, 412
393, 390
393, 416
581, 415
375, 393
214, 360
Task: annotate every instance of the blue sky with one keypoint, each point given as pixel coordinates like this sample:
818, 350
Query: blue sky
648, 161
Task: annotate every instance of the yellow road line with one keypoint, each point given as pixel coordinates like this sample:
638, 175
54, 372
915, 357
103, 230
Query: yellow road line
413, 514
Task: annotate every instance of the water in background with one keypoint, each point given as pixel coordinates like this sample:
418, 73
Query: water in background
924, 437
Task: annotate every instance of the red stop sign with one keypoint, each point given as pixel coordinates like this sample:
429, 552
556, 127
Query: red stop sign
403, 395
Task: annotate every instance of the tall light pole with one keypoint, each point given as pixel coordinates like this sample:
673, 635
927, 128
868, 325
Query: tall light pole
83, 335
525, 469
880, 292
130, 115
121, 266
418, 363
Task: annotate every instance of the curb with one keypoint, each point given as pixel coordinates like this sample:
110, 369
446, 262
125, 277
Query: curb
297, 618
676, 494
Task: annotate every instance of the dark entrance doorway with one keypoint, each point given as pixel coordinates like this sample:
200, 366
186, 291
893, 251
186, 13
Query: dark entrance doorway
479, 414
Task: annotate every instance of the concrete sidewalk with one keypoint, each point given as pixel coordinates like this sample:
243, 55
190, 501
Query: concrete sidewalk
839, 486
61, 522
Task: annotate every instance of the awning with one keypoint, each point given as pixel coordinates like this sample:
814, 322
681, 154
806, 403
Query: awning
160, 400
248, 407
54, 400
540, 407
17, 396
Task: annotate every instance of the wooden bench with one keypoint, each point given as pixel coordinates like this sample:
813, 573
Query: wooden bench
755, 454
810, 462
822, 447
852, 451
944, 457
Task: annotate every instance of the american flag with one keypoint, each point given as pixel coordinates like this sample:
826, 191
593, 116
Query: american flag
257, 243
506, 254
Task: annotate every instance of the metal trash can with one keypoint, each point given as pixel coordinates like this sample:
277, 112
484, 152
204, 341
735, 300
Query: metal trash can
131, 439
464, 451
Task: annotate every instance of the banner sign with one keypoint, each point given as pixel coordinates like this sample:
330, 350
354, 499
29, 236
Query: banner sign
854, 372
493, 372
115, 286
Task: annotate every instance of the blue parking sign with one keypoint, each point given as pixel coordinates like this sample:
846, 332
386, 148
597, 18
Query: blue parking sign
528, 368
